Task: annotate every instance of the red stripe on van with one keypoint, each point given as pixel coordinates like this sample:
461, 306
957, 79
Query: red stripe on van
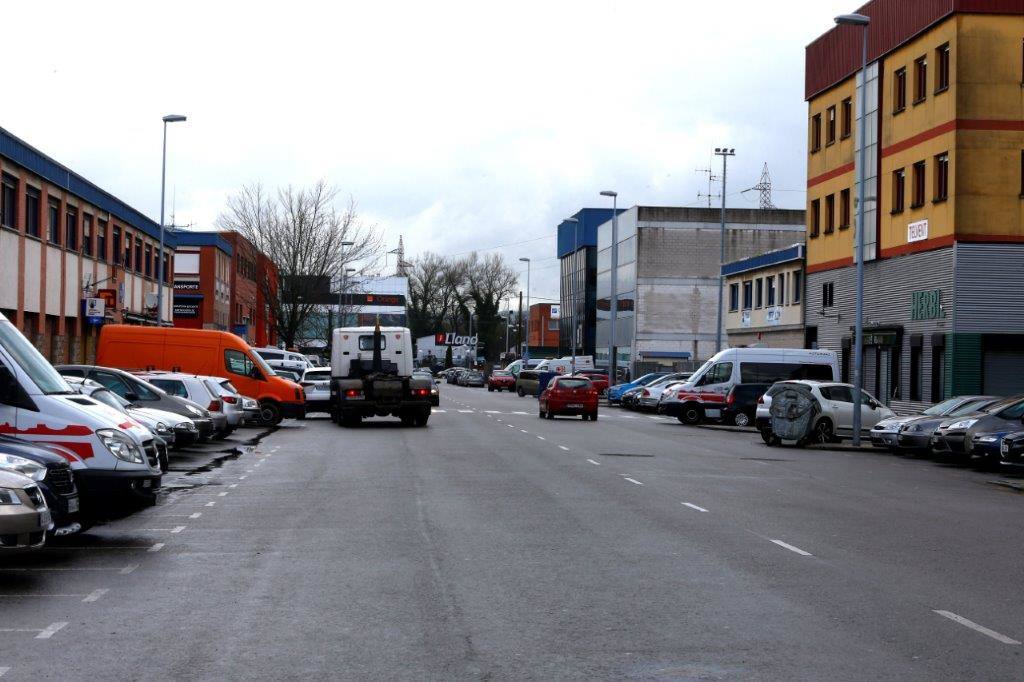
83, 450
44, 430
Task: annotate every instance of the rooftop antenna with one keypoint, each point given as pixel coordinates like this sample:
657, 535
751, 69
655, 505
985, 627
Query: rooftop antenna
765, 189
712, 178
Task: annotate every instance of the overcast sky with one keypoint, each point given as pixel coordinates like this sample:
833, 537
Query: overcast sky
460, 125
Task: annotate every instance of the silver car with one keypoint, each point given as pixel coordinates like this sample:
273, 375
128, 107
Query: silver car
24, 516
194, 387
316, 383
230, 398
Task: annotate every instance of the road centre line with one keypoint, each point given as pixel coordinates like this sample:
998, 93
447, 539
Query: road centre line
95, 595
597, 464
50, 630
520, 413
177, 529
211, 503
492, 411
693, 506
157, 546
564, 448
541, 438
633, 480
196, 515
465, 411
790, 547
233, 485
977, 628
223, 494
523, 431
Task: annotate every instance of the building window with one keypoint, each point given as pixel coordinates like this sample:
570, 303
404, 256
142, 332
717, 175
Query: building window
115, 244
54, 222
898, 190
32, 212
830, 214
734, 297
798, 287
782, 289
847, 120
920, 79
138, 253
941, 176
71, 229
942, 68
844, 209
101, 240
748, 295
938, 373
552, 325
918, 198
86, 234
828, 294
8, 201
769, 288
899, 90
830, 125
167, 267
147, 262
816, 132
127, 251
916, 372
758, 293
815, 218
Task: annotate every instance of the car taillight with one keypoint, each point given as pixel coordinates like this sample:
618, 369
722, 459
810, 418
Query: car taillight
730, 399
646, 392
353, 392
421, 391
593, 392
760, 400
229, 399
214, 406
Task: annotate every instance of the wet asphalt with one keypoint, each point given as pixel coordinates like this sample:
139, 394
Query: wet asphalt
494, 544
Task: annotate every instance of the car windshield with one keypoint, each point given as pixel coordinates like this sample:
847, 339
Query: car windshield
41, 372
943, 408
971, 406
228, 386
573, 383
107, 397
501, 373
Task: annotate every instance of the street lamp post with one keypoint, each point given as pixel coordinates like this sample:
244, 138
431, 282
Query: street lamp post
170, 118
725, 153
344, 279
858, 334
614, 306
572, 280
526, 347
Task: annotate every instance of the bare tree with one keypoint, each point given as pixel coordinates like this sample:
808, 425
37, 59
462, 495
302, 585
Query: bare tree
489, 280
302, 231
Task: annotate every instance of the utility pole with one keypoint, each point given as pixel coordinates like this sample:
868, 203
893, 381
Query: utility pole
519, 328
725, 153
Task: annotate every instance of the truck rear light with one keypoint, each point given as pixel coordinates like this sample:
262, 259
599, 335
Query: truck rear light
353, 393
214, 406
421, 391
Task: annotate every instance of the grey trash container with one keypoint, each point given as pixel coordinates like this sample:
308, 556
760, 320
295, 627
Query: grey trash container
793, 411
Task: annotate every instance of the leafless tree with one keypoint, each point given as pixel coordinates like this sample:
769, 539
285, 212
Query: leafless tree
302, 231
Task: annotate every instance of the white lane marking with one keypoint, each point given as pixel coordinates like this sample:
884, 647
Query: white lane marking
248, 471
211, 503
520, 413
597, 464
978, 628
492, 412
3, 670
628, 416
790, 547
541, 438
196, 515
564, 448
157, 546
94, 595
242, 478
178, 529
523, 431
693, 506
50, 630
510, 426
465, 411
128, 569
223, 494
633, 480
436, 411
233, 485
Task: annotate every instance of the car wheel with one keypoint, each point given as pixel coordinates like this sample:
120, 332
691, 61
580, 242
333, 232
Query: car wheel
822, 432
520, 392
549, 414
593, 416
270, 413
490, 389
350, 421
741, 419
691, 414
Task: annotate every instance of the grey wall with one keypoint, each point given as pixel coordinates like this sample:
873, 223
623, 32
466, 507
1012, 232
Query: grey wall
989, 288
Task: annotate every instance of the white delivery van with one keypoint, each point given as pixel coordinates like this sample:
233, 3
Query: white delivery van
108, 451
705, 393
516, 366
564, 365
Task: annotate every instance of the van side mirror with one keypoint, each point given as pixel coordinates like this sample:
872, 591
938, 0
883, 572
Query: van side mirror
8, 386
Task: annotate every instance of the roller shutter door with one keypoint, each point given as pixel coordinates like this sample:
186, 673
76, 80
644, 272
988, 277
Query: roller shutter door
1004, 372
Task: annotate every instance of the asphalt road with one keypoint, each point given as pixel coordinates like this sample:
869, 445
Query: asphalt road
496, 544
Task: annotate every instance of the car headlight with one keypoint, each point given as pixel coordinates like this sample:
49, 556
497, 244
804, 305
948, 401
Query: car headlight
23, 466
9, 496
188, 426
963, 424
162, 429
120, 446
986, 439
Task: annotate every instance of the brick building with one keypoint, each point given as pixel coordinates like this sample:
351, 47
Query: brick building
544, 331
668, 275
64, 240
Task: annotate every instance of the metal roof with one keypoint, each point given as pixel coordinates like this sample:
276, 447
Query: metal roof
188, 238
763, 260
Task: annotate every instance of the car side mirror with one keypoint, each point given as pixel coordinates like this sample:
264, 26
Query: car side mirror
873, 404
8, 386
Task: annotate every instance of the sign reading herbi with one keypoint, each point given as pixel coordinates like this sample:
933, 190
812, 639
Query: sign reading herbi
917, 231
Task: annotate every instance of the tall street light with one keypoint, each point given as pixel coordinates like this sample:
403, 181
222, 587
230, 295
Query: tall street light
170, 118
725, 153
572, 279
858, 334
344, 278
614, 307
526, 347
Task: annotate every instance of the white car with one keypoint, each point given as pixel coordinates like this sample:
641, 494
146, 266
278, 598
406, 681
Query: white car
283, 359
316, 382
200, 390
650, 396
835, 421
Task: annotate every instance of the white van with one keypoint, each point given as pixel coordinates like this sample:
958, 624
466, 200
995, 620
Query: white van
283, 359
704, 395
564, 365
516, 366
109, 452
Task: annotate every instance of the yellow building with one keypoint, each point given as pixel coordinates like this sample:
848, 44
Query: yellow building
944, 196
765, 306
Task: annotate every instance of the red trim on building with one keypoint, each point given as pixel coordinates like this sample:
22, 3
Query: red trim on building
948, 126
923, 245
991, 238
830, 265
834, 173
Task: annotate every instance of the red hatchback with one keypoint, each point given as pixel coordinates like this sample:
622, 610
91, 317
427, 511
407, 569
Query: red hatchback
501, 380
599, 379
570, 395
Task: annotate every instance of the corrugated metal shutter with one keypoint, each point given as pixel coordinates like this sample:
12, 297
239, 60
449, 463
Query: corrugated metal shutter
1004, 372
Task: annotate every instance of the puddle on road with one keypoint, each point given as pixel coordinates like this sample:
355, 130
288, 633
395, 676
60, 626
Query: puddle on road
190, 478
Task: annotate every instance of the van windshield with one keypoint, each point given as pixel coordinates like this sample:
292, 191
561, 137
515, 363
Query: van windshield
31, 361
267, 370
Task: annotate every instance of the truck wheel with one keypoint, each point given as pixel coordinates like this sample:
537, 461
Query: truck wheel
408, 419
490, 389
270, 413
350, 420
422, 418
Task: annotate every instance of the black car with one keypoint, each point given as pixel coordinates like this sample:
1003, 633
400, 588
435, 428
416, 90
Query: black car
953, 434
741, 403
144, 394
915, 434
1012, 447
52, 474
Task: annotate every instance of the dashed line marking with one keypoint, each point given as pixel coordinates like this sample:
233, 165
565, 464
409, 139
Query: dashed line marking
50, 630
693, 506
223, 494
633, 480
242, 478
233, 485
177, 529
439, 411
95, 595
3, 670
157, 546
999, 637
564, 448
510, 426
465, 411
128, 569
211, 503
541, 438
520, 413
597, 464
523, 431
790, 547
196, 515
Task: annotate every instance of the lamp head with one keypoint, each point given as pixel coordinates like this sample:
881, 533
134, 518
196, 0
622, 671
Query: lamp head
853, 20
173, 118
609, 193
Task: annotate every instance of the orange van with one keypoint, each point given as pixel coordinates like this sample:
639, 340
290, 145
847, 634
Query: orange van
202, 351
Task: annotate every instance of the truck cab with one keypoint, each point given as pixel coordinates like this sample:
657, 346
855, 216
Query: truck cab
371, 375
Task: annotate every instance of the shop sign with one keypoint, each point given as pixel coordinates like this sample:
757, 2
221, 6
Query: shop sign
556, 311
186, 286
880, 339
453, 339
186, 310
109, 297
773, 315
95, 310
917, 231
926, 305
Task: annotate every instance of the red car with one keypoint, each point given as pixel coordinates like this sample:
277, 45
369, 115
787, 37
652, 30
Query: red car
570, 395
501, 380
599, 379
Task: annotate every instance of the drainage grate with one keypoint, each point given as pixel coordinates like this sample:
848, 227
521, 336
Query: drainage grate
622, 454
